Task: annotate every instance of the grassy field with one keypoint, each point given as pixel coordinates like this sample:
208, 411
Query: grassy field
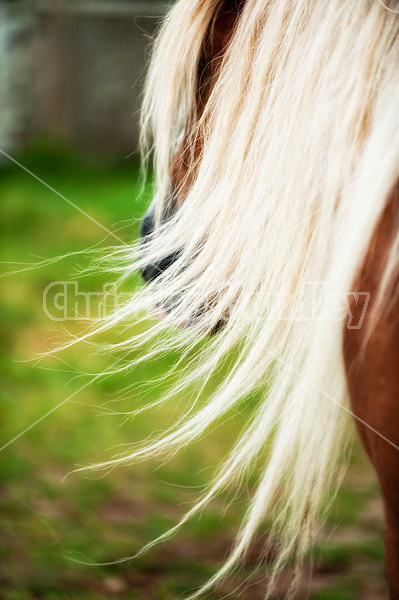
52, 527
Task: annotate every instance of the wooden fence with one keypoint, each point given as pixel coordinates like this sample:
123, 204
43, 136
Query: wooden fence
75, 71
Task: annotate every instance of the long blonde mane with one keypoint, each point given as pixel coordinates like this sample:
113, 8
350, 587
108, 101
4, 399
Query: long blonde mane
301, 151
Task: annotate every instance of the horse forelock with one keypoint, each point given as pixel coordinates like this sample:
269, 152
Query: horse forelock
289, 154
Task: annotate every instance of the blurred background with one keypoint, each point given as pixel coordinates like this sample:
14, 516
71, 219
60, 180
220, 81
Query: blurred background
71, 76
73, 70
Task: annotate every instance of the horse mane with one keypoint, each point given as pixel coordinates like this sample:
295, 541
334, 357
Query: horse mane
300, 153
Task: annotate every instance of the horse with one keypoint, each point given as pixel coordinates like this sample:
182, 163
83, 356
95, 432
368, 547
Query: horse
274, 132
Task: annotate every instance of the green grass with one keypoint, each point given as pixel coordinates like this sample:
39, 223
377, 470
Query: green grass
50, 525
